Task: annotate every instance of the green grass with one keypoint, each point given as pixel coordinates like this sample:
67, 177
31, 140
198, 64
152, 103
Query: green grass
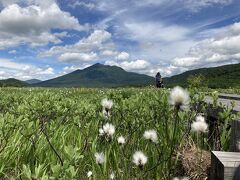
53, 133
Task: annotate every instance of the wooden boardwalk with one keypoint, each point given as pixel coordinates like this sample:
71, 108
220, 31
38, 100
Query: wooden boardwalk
224, 164
226, 99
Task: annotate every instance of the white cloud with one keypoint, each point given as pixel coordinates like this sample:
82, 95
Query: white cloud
145, 67
136, 65
109, 53
12, 52
77, 57
82, 4
68, 69
155, 31
223, 48
42, 3
10, 69
85, 49
122, 56
32, 24
195, 6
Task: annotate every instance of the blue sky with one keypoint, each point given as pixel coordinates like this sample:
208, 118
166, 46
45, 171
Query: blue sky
44, 39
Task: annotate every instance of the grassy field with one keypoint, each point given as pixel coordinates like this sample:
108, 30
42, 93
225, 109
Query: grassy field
74, 133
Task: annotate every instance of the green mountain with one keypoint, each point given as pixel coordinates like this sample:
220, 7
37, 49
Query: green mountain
99, 75
33, 81
11, 82
216, 77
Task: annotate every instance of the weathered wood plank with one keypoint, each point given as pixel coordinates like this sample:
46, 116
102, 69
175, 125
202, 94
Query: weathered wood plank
224, 164
229, 96
225, 102
235, 136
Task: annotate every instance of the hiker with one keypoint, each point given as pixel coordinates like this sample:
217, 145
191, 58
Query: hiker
159, 80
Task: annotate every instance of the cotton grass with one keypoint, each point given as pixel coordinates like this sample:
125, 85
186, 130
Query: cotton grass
151, 135
179, 97
121, 140
139, 159
100, 158
199, 126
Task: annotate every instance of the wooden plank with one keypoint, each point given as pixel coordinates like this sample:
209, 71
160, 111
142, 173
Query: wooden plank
235, 136
229, 96
225, 102
224, 164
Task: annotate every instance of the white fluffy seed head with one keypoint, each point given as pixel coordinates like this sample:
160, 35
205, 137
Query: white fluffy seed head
139, 158
101, 132
179, 97
112, 176
107, 104
199, 126
151, 135
108, 129
121, 140
100, 158
200, 118
89, 174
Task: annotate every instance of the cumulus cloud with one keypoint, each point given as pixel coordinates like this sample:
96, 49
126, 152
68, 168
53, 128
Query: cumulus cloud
224, 48
68, 69
33, 24
9, 68
85, 49
146, 67
109, 53
122, 56
77, 57
136, 65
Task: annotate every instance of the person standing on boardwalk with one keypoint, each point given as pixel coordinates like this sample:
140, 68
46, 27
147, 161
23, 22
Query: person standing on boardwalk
158, 78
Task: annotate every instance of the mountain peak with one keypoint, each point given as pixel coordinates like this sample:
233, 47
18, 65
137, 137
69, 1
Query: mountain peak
99, 75
97, 65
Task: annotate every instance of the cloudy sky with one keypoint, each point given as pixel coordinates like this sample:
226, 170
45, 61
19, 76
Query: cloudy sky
46, 38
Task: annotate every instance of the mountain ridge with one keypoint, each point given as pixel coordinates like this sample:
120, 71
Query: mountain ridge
12, 82
99, 75
225, 76
33, 81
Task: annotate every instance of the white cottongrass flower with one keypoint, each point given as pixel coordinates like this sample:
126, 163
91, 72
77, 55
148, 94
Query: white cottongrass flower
112, 176
151, 135
89, 174
139, 158
100, 158
121, 140
200, 118
199, 125
108, 130
179, 97
107, 104
101, 132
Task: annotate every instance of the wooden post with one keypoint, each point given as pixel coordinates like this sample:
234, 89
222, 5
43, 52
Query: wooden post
235, 136
224, 165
